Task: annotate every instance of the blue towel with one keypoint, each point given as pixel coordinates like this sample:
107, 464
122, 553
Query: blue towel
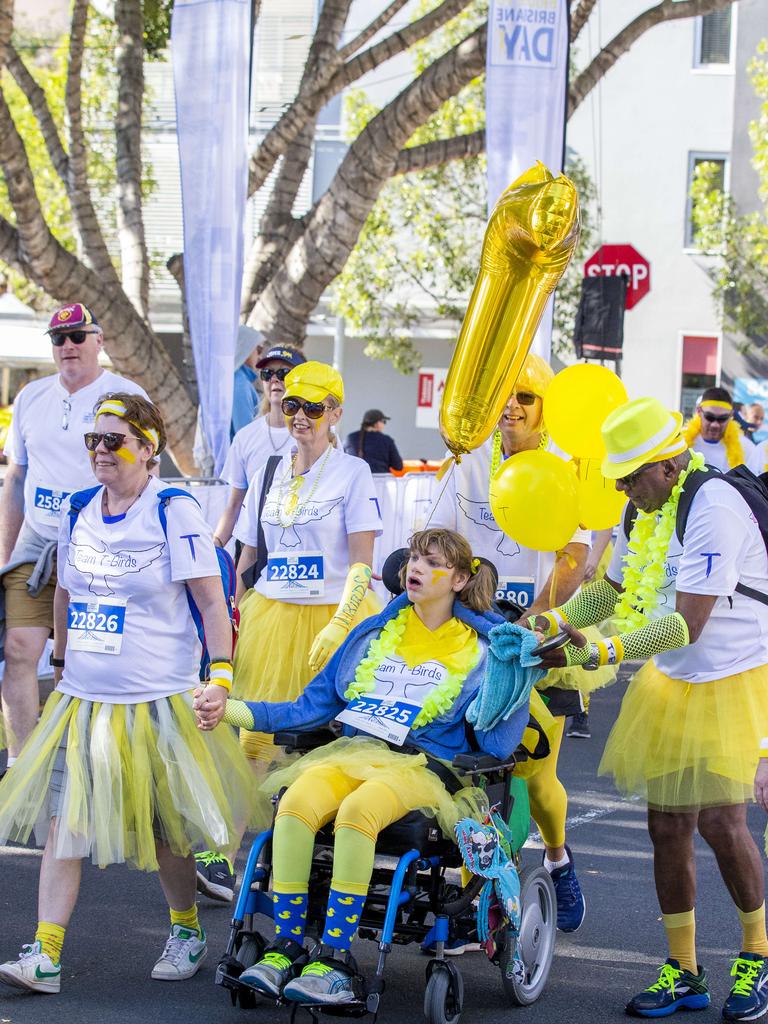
511, 674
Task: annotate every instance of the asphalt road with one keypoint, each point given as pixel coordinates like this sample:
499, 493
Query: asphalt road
120, 926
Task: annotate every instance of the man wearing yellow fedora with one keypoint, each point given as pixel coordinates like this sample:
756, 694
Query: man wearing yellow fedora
689, 732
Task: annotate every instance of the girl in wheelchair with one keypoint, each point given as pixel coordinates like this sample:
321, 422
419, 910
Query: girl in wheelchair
401, 685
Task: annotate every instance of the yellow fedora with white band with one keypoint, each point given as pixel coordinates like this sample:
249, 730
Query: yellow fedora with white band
639, 432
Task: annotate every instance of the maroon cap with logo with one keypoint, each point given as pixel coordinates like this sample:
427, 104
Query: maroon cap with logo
67, 317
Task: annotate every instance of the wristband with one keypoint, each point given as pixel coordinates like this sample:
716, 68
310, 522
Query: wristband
764, 747
56, 662
609, 651
221, 674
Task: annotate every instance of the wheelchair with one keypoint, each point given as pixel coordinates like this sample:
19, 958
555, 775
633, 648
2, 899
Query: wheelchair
414, 901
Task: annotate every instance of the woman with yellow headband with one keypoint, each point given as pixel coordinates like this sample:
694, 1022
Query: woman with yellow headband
117, 769
525, 577
714, 433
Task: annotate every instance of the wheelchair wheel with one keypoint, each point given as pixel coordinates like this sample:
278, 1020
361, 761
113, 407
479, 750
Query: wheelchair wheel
249, 951
443, 997
527, 958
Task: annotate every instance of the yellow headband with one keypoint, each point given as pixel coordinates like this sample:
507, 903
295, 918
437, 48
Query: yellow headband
117, 408
711, 402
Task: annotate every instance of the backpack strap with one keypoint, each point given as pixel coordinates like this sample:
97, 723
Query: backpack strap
251, 575
630, 515
164, 499
77, 503
691, 487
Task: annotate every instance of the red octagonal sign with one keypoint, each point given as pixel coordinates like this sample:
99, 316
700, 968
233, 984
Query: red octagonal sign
610, 260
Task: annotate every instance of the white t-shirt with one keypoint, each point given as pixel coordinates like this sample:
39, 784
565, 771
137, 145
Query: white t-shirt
251, 446
57, 460
465, 507
127, 569
722, 547
714, 454
336, 498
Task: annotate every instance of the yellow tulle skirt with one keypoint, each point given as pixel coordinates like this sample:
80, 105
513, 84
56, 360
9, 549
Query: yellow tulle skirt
684, 746
574, 677
272, 652
363, 758
122, 777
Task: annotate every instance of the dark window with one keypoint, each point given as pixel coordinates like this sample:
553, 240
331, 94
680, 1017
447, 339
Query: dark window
715, 38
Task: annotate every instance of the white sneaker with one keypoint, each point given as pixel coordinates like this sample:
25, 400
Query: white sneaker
33, 971
184, 951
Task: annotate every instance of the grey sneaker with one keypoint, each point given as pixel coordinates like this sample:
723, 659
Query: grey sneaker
326, 981
281, 962
34, 971
184, 952
579, 727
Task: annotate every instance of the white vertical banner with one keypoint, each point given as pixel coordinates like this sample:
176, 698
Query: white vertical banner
210, 47
525, 94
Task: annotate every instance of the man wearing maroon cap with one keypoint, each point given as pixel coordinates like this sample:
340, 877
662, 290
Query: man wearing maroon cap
47, 460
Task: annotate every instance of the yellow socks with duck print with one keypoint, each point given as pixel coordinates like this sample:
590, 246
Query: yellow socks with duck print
753, 928
681, 936
51, 939
290, 912
187, 919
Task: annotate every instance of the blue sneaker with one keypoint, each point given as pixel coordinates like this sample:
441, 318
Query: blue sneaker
748, 999
571, 905
676, 989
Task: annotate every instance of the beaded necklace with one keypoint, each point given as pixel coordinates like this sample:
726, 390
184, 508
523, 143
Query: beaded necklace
289, 504
496, 450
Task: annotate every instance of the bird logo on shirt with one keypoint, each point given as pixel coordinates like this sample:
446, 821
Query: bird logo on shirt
100, 564
479, 512
309, 512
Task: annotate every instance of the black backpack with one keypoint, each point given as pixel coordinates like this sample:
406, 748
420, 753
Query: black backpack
753, 489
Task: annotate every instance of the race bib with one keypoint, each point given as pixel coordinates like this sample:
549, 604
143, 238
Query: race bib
96, 626
298, 575
47, 505
519, 589
385, 718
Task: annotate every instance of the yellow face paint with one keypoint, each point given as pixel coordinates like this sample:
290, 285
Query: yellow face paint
438, 574
126, 454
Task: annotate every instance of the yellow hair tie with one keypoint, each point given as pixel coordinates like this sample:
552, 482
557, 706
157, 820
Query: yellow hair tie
475, 565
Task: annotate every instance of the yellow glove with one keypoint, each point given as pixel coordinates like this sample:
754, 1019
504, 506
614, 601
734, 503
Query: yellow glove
334, 634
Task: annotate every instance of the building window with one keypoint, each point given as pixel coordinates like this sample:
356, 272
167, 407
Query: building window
700, 368
720, 181
713, 39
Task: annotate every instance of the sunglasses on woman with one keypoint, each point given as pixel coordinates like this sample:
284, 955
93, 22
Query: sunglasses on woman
111, 440
76, 337
281, 374
312, 410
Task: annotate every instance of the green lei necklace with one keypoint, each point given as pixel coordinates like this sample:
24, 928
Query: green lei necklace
444, 695
496, 449
644, 561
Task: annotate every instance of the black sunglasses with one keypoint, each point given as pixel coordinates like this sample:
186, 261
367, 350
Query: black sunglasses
76, 337
112, 441
525, 398
711, 418
281, 374
628, 481
313, 410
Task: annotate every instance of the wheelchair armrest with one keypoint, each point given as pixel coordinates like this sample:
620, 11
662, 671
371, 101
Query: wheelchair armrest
479, 764
310, 739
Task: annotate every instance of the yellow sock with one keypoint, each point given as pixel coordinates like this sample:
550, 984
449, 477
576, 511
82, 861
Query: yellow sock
681, 936
51, 939
753, 929
186, 918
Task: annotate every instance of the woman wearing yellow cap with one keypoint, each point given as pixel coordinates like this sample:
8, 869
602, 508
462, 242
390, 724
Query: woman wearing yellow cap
117, 769
525, 577
319, 521
694, 721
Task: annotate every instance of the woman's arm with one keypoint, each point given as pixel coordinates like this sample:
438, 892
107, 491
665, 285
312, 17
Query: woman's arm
395, 461
60, 623
245, 561
228, 518
208, 595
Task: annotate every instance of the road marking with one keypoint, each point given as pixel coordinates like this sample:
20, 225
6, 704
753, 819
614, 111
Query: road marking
592, 814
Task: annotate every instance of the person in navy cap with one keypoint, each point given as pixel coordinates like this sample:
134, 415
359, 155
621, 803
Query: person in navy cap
47, 460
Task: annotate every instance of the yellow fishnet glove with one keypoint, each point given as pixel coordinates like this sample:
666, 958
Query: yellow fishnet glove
663, 634
238, 713
334, 634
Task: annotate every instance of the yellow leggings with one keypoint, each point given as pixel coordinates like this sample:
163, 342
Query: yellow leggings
361, 809
549, 801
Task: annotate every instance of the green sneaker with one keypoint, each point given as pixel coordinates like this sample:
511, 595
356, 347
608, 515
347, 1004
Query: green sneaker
676, 989
34, 971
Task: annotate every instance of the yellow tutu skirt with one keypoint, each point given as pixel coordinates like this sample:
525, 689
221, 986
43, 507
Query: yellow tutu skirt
684, 746
574, 677
272, 652
122, 777
363, 758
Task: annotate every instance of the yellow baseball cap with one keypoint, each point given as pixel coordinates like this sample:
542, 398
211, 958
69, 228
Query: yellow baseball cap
313, 382
639, 432
535, 376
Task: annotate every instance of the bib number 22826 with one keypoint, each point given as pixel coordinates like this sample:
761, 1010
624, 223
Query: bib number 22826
96, 626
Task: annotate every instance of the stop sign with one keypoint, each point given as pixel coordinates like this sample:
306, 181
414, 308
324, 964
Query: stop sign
612, 260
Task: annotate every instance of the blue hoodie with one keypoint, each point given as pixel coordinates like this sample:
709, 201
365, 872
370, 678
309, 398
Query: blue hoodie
444, 737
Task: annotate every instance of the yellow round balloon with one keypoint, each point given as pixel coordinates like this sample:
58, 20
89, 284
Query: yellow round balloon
534, 500
528, 244
600, 504
576, 405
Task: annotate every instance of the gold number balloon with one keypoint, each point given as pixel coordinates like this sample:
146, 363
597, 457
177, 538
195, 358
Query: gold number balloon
528, 243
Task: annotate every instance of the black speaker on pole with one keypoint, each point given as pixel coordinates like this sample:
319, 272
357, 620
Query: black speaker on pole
599, 329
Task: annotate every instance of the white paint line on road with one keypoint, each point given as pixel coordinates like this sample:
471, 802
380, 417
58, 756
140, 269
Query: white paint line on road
593, 814
21, 851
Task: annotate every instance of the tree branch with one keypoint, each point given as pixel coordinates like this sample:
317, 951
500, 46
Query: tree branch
433, 154
579, 18
10, 248
78, 189
668, 10
371, 30
130, 98
312, 98
6, 28
39, 104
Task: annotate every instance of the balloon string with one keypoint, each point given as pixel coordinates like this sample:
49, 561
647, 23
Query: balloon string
448, 476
